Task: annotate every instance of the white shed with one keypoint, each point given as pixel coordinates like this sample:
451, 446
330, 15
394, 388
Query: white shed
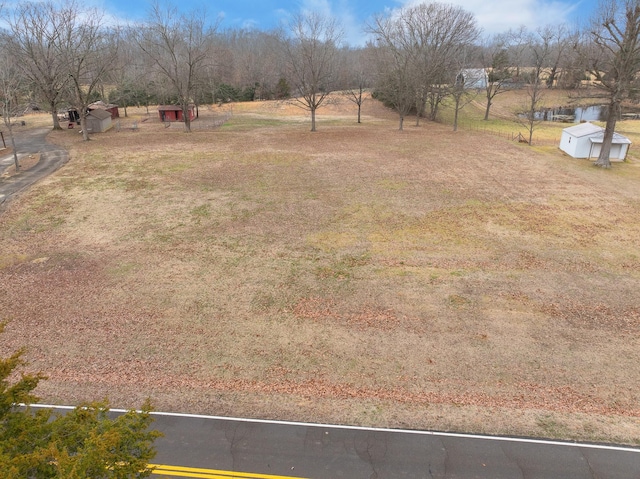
585, 140
473, 78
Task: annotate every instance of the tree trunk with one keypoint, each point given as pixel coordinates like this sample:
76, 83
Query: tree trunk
359, 109
401, 123
486, 111
420, 107
186, 118
552, 76
13, 145
54, 116
455, 114
83, 126
313, 119
613, 112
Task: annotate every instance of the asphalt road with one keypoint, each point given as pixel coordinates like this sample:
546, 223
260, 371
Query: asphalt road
29, 141
208, 447
214, 447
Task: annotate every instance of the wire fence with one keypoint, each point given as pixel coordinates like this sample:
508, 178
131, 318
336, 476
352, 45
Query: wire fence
519, 136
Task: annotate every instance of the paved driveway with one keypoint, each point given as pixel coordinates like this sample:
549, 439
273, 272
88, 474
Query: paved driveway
29, 142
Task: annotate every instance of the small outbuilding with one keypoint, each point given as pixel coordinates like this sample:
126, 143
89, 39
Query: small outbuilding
110, 107
174, 113
98, 121
473, 78
585, 141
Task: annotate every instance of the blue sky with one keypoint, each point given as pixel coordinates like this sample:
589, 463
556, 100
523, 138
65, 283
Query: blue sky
493, 16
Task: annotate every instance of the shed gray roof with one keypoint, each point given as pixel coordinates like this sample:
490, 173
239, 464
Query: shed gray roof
100, 105
617, 138
99, 114
583, 129
594, 132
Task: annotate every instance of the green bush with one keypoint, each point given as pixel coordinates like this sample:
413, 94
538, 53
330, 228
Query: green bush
84, 443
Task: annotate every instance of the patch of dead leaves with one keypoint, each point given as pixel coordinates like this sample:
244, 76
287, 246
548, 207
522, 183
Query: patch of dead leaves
318, 309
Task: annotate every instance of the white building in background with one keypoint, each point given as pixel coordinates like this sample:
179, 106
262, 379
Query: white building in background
473, 78
585, 141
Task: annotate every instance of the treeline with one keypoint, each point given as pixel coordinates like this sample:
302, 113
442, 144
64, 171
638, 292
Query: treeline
58, 54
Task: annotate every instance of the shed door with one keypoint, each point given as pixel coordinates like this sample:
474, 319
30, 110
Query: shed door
615, 153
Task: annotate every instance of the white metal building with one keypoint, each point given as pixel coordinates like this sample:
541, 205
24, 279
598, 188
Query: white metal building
474, 78
585, 140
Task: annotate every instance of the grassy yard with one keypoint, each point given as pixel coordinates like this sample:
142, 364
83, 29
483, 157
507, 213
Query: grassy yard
358, 274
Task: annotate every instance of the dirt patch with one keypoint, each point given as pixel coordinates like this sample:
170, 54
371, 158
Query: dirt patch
358, 274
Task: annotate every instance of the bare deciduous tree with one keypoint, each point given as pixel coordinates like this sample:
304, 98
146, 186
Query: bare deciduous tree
128, 72
440, 35
495, 61
37, 31
419, 48
464, 90
257, 60
563, 42
358, 76
89, 51
179, 46
518, 43
312, 52
10, 89
615, 63
395, 58
540, 45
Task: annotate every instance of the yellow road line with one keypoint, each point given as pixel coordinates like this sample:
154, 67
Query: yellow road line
198, 473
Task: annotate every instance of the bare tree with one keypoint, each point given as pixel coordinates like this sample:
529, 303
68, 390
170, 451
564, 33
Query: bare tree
421, 46
179, 46
257, 60
10, 90
358, 76
37, 31
128, 72
615, 31
518, 44
88, 51
495, 61
440, 35
464, 90
563, 42
312, 52
540, 45
395, 65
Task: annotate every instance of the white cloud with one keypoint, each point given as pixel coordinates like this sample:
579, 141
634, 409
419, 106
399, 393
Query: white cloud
498, 16
323, 7
342, 11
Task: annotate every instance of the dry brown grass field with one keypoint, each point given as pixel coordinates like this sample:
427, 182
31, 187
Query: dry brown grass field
359, 275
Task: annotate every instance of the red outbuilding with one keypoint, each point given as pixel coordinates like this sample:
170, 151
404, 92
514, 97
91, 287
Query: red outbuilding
109, 107
174, 113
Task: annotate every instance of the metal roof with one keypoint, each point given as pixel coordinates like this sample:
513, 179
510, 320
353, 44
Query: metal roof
99, 114
584, 129
617, 138
594, 132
